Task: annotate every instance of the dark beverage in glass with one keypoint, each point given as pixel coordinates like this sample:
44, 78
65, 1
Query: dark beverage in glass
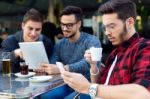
24, 68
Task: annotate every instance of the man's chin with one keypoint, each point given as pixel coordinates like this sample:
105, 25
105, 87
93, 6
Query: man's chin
115, 44
67, 36
33, 40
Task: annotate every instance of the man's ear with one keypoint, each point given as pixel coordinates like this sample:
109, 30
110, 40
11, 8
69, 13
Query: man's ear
22, 25
130, 22
79, 23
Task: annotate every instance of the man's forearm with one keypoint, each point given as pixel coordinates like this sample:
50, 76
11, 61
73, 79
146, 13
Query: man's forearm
94, 78
80, 67
128, 91
95, 73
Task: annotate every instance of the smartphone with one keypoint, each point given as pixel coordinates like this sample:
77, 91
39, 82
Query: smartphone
60, 65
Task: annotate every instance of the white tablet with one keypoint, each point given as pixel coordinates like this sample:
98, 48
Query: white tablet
34, 53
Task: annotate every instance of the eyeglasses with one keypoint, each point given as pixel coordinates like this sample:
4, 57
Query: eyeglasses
68, 25
109, 27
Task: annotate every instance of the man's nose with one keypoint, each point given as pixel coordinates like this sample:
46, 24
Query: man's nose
64, 28
33, 32
107, 32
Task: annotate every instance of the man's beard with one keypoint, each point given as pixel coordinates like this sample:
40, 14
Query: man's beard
123, 33
72, 35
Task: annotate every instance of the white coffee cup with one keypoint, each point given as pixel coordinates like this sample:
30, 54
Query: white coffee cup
96, 53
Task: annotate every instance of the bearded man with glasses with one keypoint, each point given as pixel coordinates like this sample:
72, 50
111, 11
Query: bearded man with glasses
70, 50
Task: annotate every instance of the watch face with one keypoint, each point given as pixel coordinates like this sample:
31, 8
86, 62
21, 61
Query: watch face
93, 90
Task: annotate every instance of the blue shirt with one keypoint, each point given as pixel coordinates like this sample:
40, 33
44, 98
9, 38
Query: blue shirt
12, 43
72, 53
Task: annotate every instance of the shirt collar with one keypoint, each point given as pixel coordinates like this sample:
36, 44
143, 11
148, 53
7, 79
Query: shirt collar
129, 42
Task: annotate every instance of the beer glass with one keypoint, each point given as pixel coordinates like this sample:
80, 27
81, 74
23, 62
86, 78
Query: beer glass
6, 63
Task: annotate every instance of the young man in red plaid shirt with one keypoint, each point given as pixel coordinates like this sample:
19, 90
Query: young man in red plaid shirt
126, 74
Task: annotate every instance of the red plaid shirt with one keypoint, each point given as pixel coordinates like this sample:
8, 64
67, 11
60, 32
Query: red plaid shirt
133, 63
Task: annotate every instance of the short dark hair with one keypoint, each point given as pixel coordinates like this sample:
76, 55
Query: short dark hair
33, 15
77, 11
124, 8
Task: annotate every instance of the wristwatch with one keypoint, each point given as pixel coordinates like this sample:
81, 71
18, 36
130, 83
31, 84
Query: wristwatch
93, 90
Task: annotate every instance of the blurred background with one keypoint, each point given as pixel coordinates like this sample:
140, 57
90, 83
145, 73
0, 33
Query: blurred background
12, 11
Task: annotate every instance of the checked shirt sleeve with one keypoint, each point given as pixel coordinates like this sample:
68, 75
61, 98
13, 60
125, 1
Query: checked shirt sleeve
141, 69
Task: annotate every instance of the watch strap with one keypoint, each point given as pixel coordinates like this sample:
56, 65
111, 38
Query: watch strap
93, 90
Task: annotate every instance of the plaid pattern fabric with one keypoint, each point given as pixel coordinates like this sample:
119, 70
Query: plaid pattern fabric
133, 63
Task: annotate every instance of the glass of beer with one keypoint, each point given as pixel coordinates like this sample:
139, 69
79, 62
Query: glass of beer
6, 63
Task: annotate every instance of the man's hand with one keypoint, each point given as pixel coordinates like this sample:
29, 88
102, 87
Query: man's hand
39, 71
18, 53
50, 68
76, 81
87, 56
93, 64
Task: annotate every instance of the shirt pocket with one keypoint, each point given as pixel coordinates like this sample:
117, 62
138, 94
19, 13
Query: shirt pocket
121, 76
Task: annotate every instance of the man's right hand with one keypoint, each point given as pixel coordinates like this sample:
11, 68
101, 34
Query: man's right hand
18, 53
94, 68
87, 56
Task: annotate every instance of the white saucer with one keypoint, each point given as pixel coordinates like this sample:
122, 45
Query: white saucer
21, 79
40, 78
24, 76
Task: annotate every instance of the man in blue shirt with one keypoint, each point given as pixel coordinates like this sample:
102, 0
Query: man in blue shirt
70, 50
31, 32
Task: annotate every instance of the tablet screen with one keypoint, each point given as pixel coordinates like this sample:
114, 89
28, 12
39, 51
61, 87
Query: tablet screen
34, 53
